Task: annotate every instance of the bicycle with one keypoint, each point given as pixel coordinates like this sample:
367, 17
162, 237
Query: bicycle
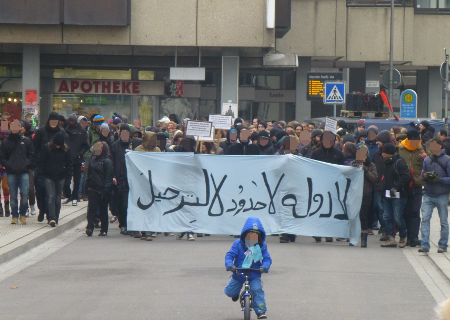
246, 296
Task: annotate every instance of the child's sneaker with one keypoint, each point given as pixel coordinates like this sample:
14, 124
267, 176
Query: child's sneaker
261, 316
235, 298
191, 237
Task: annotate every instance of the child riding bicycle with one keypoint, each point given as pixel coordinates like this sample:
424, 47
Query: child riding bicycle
249, 251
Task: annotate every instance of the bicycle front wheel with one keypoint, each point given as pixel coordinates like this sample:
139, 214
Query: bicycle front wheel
246, 308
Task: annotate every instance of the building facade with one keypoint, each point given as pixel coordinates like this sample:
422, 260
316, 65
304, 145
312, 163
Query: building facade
98, 56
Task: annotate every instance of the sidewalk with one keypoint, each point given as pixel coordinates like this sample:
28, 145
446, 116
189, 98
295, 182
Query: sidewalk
18, 239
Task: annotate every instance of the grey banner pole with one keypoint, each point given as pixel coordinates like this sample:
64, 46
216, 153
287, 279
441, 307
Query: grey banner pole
446, 88
334, 110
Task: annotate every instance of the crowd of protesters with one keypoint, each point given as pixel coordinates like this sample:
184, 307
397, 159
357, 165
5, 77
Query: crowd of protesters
406, 172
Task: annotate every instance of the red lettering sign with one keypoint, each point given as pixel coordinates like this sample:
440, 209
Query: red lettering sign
116, 87
136, 88
106, 85
63, 87
74, 85
96, 83
126, 87
86, 86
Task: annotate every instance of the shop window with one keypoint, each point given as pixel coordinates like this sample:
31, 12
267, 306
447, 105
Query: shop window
182, 107
379, 3
82, 104
69, 73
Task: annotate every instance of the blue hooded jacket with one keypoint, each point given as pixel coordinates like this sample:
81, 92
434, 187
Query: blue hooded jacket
236, 255
371, 145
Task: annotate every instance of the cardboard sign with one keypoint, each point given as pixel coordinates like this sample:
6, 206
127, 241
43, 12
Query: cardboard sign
220, 121
208, 139
330, 125
198, 128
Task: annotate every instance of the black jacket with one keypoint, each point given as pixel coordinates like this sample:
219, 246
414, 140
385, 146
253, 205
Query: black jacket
378, 161
16, 154
109, 139
427, 134
55, 164
392, 179
331, 155
118, 150
238, 149
100, 175
44, 135
78, 143
446, 146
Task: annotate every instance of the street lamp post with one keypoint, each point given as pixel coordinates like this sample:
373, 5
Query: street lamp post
391, 59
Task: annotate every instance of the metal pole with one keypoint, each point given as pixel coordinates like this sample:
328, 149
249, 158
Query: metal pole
391, 58
446, 87
334, 110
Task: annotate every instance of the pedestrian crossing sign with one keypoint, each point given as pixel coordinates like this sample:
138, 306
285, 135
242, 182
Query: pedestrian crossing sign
334, 93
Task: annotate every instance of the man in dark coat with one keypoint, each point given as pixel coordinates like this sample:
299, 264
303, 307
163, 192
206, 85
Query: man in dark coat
121, 188
443, 135
78, 145
308, 150
16, 155
327, 153
426, 131
43, 136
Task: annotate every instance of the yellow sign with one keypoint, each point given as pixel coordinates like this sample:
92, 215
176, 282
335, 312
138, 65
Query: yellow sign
408, 98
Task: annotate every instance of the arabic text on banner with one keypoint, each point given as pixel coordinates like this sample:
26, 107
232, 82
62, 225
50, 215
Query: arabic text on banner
179, 192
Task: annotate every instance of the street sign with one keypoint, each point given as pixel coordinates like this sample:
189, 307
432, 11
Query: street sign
316, 81
334, 93
396, 76
408, 104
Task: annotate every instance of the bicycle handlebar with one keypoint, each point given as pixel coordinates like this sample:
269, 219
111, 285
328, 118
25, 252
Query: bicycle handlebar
247, 269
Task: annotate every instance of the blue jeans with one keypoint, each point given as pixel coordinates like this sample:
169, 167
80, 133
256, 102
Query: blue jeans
16, 182
378, 208
53, 191
428, 204
81, 188
234, 287
393, 211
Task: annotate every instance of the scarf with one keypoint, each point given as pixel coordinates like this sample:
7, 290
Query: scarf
407, 145
252, 254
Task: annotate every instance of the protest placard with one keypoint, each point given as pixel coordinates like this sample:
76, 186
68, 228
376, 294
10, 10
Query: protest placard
198, 128
220, 121
330, 125
208, 139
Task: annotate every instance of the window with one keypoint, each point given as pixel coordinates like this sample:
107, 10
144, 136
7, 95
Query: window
381, 3
432, 6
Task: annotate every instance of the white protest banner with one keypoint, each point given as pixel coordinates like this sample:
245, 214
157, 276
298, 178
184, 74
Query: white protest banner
208, 139
198, 128
220, 121
179, 192
330, 125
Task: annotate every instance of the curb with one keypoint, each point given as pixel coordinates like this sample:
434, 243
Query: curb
29, 242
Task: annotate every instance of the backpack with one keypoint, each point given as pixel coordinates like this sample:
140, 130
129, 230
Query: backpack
411, 171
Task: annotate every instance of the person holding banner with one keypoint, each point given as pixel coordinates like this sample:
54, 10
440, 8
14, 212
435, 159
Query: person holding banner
121, 188
370, 177
232, 136
327, 153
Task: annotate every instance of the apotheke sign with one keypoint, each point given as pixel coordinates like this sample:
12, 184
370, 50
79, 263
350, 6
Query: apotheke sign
153, 88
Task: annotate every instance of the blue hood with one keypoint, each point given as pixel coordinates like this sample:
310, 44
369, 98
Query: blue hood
253, 224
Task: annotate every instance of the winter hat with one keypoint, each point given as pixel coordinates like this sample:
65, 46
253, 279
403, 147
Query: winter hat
58, 139
283, 123
316, 133
413, 135
116, 121
342, 124
81, 118
348, 138
110, 121
73, 117
373, 128
384, 136
104, 126
140, 123
361, 123
61, 118
237, 121
363, 133
425, 123
389, 148
98, 120
165, 120
124, 127
53, 116
273, 132
264, 133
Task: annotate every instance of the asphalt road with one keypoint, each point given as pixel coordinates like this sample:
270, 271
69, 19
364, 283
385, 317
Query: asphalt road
119, 277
